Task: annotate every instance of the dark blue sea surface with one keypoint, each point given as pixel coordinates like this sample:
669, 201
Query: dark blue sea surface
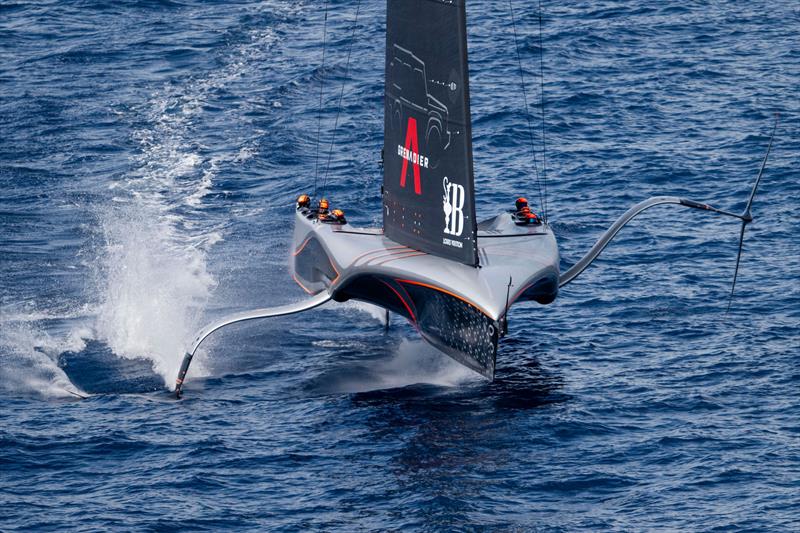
150, 154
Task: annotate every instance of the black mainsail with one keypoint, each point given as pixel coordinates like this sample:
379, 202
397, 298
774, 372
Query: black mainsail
428, 186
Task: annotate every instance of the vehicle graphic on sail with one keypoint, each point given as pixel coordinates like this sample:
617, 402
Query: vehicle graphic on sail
409, 91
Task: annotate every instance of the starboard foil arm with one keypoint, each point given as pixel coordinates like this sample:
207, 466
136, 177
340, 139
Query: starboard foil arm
626, 217
255, 314
746, 217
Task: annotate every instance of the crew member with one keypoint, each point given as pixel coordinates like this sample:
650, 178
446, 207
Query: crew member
323, 209
524, 215
337, 216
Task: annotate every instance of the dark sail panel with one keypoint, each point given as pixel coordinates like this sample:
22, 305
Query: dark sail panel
428, 191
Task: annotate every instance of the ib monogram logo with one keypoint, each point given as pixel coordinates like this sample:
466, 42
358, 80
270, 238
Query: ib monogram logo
453, 206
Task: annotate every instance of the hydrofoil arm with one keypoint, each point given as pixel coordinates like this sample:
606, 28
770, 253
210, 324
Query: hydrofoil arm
269, 312
746, 217
629, 215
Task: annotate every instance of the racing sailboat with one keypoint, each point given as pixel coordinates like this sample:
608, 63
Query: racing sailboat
452, 277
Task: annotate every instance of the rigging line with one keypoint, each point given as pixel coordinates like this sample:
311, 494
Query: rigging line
321, 87
527, 113
341, 96
541, 94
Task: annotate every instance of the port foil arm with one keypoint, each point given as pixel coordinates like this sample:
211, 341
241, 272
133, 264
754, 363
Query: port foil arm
255, 314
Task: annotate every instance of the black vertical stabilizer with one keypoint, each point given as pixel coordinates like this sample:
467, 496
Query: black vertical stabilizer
428, 196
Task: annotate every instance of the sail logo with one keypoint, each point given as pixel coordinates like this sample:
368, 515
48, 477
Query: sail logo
453, 206
410, 154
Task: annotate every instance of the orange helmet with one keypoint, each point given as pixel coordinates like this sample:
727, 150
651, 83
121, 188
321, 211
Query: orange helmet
303, 200
521, 202
338, 213
323, 205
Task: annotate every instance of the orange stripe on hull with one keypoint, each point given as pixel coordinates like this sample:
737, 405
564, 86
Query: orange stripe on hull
408, 308
445, 291
410, 254
302, 246
378, 250
301, 285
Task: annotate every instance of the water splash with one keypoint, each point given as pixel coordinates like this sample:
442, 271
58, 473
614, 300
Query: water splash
154, 280
155, 232
417, 362
154, 288
30, 358
373, 311
413, 362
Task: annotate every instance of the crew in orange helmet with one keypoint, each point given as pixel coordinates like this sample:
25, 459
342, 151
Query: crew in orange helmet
337, 215
524, 215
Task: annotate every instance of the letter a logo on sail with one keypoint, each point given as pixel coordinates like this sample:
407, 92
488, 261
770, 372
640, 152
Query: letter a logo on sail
411, 149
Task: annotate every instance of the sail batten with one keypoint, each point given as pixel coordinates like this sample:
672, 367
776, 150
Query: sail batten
428, 186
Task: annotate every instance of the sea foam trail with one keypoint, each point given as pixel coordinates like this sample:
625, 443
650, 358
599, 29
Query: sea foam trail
413, 362
30, 358
154, 289
417, 362
154, 281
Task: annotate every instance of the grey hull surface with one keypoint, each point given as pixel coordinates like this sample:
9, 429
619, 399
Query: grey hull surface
458, 308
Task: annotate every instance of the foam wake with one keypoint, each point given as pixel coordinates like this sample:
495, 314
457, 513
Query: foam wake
30, 358
413, 362
153, 277
154, 288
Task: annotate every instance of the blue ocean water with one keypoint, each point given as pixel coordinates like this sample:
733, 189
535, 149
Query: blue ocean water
150, 152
